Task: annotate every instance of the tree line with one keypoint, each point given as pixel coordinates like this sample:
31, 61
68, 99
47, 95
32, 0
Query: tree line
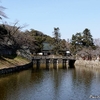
12, 36
84, 45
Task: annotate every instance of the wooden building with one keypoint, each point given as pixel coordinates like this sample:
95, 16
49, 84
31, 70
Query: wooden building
47, 49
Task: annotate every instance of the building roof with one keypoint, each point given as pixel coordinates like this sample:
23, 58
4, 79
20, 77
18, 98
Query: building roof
47, 46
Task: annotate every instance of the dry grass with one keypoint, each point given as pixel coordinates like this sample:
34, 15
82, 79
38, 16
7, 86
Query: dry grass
7, 62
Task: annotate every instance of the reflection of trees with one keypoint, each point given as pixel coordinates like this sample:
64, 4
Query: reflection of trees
82, 79
56, 83
53, 84
36, 77
84, 75
56, 79
59, 82
7, 85
12, 86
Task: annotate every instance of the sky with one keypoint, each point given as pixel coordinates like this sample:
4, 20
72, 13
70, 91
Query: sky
71, 16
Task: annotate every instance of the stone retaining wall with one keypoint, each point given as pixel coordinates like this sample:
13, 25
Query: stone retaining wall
87, 63
16, 69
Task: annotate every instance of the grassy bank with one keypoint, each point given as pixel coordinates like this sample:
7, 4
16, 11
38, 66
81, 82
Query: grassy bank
11, 61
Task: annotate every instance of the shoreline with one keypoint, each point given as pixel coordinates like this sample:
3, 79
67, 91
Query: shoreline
16, 69
88, 64
17, 64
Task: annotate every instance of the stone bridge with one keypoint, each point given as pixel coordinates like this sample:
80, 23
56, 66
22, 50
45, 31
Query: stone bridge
66, 62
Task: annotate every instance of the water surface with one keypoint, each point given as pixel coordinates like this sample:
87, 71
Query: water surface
61, 84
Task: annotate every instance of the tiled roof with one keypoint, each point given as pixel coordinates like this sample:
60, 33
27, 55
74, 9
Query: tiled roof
47, 46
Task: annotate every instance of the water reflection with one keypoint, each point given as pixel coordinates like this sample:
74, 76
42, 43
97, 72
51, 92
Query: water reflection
55, 84
88, 80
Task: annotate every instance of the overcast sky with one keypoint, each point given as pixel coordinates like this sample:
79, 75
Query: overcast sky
71, 16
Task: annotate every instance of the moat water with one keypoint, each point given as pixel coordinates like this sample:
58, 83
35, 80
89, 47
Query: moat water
53, 84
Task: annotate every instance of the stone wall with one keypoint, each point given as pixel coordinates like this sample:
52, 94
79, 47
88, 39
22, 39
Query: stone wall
24, 53
87, 63
16, 69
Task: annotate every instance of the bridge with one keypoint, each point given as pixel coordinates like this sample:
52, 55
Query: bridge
55, 61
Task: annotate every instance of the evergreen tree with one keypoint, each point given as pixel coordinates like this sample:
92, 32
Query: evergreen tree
57, 40
87, 38
82, 40
57, 34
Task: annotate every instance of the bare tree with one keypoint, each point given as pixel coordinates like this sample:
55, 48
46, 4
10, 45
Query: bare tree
2, 14
97, 42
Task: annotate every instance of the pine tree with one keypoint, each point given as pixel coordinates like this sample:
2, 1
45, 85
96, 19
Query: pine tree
82, 40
